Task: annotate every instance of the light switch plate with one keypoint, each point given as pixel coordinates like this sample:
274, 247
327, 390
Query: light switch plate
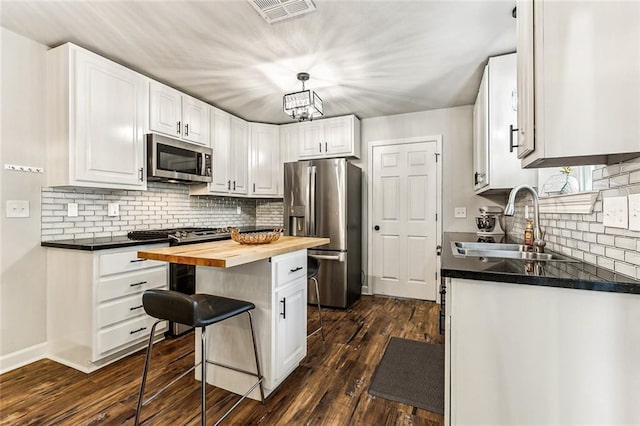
616, 213
634, 212
460, 212
113, 209
17, 208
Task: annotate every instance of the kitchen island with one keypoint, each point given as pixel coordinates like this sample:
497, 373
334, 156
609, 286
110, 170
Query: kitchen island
271, 276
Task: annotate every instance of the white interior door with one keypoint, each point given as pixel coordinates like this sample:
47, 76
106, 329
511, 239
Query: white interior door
404, 208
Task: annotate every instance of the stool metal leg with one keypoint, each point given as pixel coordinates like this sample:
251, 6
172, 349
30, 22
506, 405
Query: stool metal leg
255, 352
321, 328
203, 354
258, 375
144, 372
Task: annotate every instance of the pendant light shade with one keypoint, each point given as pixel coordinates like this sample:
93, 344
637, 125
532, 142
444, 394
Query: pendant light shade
303, 105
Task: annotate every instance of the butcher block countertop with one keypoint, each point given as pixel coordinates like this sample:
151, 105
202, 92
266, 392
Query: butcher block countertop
228, 253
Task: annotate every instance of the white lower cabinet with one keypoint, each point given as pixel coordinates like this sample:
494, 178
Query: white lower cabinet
525, 354
278, 288
291, 326
94, 304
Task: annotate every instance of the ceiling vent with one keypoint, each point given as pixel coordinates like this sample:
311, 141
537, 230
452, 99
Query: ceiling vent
278, 10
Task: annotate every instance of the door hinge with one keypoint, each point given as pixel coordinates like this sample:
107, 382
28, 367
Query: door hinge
437, 155
436, 217
438, 253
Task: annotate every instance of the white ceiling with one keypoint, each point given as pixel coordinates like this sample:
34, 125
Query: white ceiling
371, 58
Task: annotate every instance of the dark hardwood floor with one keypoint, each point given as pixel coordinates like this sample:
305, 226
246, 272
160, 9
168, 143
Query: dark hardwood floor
328, 388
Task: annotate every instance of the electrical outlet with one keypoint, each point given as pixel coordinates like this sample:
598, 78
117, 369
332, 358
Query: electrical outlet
616, 213
17, 208
113, 209
72, 210
238, 210
634, 212
460, 212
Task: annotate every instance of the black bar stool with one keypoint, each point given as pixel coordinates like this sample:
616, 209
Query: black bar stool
313, 265
198, 310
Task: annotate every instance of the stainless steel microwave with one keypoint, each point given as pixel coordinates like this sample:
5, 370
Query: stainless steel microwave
171, 160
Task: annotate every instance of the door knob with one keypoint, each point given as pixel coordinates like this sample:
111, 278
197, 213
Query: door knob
377, 228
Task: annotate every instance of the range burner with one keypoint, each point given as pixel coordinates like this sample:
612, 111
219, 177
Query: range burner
179, 234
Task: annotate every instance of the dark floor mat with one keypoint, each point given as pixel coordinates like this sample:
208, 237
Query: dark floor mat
411, 372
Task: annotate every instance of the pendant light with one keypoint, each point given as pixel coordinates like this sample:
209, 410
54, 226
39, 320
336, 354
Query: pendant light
303, 105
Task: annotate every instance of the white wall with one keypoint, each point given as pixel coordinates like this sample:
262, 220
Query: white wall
22, 264
456, 127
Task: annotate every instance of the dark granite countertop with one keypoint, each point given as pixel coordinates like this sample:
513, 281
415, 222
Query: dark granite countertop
578, 275
104, 243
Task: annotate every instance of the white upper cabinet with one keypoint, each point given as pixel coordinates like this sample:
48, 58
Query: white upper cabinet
239, 164
330, 137
497, 168
289, 142
96, 113
230, 145
581, 63
266, 166
221, 145
178, 115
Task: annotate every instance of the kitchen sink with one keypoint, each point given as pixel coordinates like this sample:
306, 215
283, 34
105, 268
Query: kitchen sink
504, 251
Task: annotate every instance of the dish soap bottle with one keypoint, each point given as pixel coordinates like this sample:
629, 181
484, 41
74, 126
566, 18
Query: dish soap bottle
528, 234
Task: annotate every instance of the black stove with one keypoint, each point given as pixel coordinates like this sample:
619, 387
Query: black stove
179, 236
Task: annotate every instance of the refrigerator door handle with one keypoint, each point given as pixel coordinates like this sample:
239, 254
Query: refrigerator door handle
312, 202
337, 257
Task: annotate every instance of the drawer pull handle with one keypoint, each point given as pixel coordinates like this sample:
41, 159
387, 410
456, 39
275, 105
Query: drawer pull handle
135, 307
295, 269
138, 330
283, 314
138, 260
137, 284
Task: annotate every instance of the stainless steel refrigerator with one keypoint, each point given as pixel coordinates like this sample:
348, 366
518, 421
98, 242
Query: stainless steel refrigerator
323, 198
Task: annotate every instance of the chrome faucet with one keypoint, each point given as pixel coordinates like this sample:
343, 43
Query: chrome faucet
510, 209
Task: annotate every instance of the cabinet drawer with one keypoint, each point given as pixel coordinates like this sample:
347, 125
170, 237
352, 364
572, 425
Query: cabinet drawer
120, 309
131, 283
290, 269
126, 261
128, 332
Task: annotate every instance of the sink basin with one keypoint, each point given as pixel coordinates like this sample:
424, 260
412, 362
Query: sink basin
504, 251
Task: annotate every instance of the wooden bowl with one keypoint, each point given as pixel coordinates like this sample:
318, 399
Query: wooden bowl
254, 237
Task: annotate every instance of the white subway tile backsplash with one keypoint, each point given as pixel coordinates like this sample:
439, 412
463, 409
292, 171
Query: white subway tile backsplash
605, 263
625, 268
633, 257
606, 239
162, 206
614, 253
584, 236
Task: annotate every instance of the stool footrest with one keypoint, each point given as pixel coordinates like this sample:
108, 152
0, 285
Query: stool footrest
152, 397
239, 370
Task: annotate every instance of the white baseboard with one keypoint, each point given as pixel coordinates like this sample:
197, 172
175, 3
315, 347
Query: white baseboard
22, 357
